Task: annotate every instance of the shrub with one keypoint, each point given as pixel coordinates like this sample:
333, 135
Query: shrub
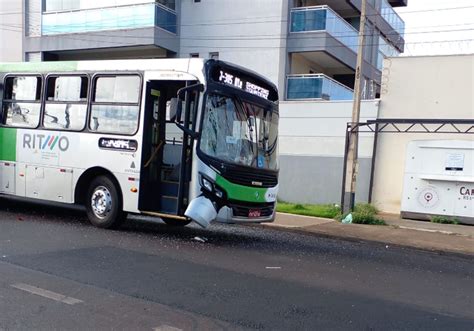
444, 220
365, 208
364, 218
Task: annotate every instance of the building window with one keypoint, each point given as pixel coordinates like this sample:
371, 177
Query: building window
168, 3
214, 55
194, 55
33, 57
196, 1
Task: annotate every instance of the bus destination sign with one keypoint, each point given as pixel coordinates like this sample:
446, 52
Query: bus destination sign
238, 82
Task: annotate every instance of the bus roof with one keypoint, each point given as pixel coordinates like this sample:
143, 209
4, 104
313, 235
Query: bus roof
193, 66
182, 65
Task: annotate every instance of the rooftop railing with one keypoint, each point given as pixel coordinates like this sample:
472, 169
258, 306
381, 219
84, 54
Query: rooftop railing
316, 87
109, 18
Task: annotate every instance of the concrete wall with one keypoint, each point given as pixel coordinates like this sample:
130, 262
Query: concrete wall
11, 27
312, 139
220, 26
418, 87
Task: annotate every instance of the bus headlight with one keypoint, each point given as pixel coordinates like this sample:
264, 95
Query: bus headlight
209, 185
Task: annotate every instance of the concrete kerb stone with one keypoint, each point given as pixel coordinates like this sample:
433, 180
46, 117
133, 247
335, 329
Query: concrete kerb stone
438, 241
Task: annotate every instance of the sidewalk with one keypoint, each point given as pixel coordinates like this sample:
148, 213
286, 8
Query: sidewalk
399, 232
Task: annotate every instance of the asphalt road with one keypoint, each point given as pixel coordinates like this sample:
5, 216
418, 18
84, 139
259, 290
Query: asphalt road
59, 272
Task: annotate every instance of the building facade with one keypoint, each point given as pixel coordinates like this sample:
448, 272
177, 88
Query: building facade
307, 47
441, 89
11, 30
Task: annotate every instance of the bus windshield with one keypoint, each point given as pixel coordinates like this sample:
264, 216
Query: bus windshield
240, 132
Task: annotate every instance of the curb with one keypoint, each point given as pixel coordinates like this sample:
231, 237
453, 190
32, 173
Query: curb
300, 230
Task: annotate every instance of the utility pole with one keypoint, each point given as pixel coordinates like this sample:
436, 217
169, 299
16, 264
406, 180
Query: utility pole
352, 157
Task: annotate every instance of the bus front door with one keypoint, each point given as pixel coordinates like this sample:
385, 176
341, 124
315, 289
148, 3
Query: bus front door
161, 177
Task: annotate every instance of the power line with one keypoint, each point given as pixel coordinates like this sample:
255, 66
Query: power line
309, 48
234, 37
240, 19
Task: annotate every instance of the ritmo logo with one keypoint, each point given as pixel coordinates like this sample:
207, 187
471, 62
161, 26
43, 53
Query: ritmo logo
43, 142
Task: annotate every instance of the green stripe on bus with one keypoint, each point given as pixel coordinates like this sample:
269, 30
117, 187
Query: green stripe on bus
38, 66
240, 192
7, 144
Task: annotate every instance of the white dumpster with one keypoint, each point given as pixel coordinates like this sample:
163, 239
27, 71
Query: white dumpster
439, 180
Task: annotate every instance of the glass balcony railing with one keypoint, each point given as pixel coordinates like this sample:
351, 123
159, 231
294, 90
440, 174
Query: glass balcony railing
323, 18
109, 18
392, 18
316, 86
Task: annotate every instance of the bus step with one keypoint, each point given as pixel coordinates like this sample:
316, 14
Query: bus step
169, 188
169, 204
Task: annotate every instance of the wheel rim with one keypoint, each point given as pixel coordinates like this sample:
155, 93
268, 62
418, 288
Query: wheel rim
101, 202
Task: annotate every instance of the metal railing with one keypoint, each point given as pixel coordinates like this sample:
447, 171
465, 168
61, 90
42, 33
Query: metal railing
316, 87
109, 18
392, 18
323, 18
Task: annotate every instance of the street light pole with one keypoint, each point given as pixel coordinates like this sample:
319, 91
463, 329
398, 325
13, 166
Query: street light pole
352, 157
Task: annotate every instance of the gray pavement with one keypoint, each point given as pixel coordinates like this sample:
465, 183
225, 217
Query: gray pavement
149, 276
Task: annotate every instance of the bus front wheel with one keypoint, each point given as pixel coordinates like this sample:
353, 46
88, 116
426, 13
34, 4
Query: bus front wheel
103, 204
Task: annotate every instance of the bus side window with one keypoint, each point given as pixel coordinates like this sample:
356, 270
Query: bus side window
115, 104
22, 101
66, 103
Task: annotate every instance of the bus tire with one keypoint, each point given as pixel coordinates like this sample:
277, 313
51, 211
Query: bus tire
104, 204
175, 222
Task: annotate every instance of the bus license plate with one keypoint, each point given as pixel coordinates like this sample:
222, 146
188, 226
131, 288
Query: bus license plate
254, 213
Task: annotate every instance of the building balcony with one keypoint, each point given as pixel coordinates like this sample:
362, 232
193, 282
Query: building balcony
136, 16
323, 19
398, 3
316, 87
392, 18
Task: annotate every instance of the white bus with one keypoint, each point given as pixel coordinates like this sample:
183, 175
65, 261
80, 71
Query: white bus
181, 139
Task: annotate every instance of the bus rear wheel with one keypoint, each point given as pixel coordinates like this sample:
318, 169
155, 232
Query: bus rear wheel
103, 204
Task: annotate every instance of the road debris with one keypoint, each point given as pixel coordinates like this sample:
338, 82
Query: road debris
347, 219
200, 239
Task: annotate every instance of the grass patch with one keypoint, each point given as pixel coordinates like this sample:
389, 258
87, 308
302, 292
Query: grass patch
325, 211
444, 220
359, 218
364, 213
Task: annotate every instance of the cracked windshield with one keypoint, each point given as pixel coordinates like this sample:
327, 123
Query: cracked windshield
240, 133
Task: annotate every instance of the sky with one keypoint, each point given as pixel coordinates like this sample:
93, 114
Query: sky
431, 21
